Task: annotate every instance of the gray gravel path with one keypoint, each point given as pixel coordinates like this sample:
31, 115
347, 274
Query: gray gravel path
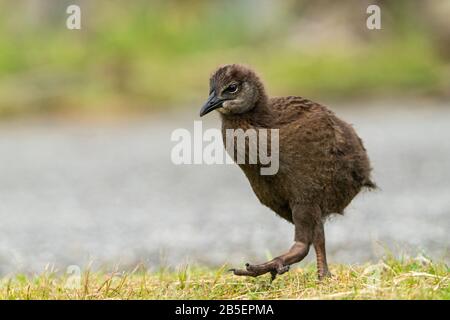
75, 193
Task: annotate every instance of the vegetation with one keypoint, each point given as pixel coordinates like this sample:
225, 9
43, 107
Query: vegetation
152, 56
388, 279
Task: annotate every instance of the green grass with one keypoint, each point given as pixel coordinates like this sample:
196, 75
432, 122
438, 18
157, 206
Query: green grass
153, 57
388, 279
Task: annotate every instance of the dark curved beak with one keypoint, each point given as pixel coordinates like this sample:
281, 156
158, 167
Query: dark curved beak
211, 104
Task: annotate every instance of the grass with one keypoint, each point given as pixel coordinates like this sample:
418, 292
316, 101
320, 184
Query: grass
389, 279
152, 57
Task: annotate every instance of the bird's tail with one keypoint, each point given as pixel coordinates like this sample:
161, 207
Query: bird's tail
369, 184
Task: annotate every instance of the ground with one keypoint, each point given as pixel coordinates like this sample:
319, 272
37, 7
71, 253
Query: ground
387, 279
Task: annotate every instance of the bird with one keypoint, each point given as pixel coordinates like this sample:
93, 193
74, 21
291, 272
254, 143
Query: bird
323, 163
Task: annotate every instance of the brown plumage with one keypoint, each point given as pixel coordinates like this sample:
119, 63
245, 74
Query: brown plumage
322, 162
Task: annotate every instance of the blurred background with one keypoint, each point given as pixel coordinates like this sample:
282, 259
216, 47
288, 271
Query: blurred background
86, 117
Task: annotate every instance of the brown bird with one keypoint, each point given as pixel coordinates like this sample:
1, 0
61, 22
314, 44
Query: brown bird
323, 164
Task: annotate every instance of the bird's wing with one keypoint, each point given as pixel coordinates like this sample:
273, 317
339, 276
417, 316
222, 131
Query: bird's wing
292, 108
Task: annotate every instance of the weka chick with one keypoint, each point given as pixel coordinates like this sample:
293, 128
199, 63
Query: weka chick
322, 162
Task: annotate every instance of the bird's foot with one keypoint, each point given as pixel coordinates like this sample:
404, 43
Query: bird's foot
274, 267
325, 275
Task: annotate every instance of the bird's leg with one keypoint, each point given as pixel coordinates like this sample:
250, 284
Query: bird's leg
278, 265
304, 221
319, 247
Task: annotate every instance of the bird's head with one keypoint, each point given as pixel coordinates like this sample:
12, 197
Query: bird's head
234, 89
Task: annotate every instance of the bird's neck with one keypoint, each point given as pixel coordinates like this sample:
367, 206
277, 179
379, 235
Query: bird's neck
258, 117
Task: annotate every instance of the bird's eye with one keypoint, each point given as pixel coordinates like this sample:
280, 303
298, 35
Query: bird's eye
232, 88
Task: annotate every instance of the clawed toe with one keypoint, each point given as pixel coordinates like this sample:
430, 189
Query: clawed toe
283, 269
325, 275
256, 270
242, 272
